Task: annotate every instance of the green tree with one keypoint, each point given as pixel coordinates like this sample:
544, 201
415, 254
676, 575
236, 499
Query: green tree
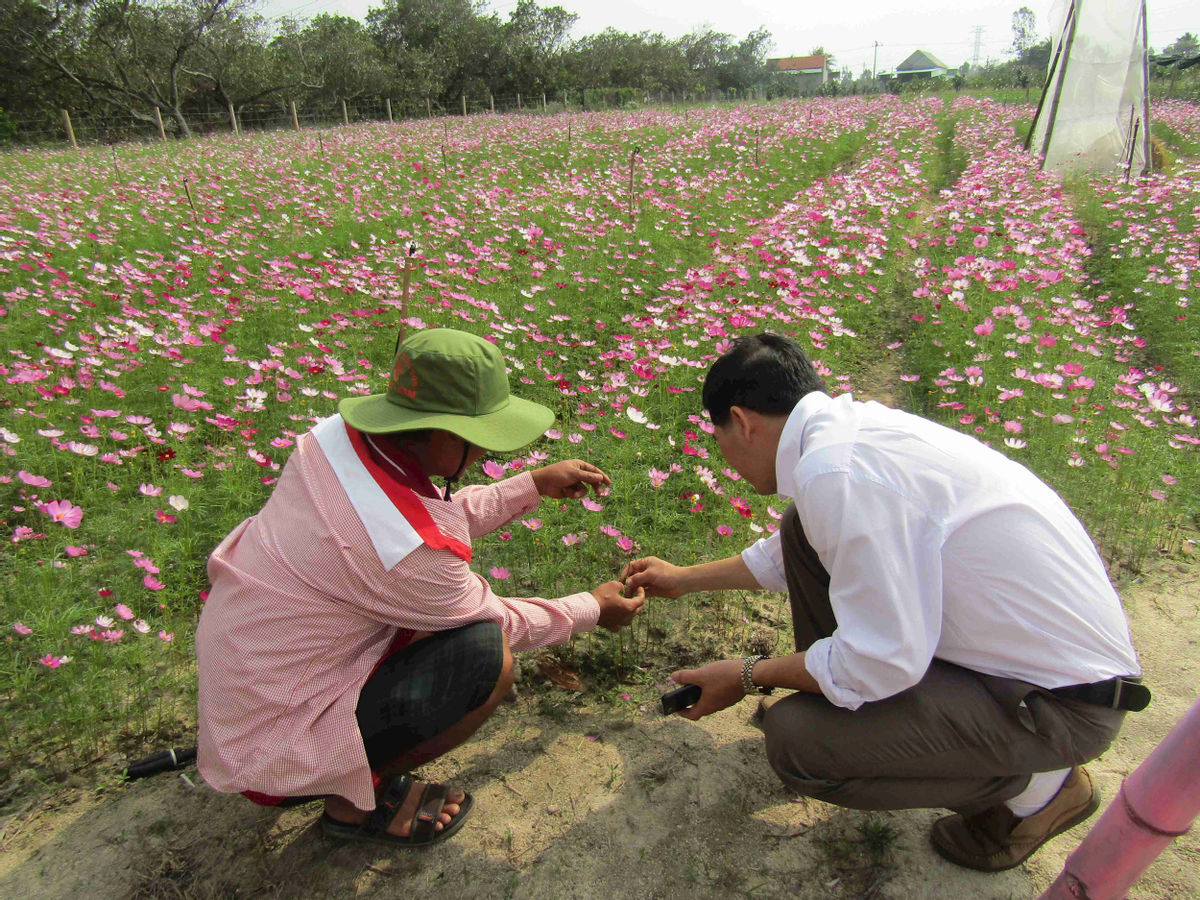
1024, 28
129, 54
332, 58
1187, 43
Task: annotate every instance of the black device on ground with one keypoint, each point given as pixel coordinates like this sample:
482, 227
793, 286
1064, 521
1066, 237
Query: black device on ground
680, 698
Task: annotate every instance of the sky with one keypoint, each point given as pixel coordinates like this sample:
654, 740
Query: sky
848, 29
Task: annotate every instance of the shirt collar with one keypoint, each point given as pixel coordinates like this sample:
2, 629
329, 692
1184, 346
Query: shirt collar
791, 441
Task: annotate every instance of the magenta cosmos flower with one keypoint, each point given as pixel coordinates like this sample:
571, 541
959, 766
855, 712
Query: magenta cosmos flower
64, 512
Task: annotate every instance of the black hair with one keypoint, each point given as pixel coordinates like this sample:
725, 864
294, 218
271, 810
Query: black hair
766, 373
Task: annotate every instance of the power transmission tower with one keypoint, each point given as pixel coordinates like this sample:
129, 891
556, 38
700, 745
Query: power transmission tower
978, 40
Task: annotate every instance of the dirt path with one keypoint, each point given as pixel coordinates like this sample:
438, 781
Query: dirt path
590, 804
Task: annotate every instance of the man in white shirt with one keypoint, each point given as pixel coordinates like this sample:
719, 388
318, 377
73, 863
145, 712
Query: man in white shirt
959, 642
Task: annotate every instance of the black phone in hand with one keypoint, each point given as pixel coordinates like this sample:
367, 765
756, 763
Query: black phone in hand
680, 698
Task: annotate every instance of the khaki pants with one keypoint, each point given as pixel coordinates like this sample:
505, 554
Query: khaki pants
957, 739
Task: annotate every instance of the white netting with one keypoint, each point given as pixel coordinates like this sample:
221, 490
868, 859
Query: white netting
1093, 108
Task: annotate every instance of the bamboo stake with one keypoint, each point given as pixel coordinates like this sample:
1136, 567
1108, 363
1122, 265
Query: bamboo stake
388, 102
464, 104
187, 190
428, 109
162, 132
1148, 165
633, 154
70, 130
407, 284
233, 120
295, 118
345, 114
492, 102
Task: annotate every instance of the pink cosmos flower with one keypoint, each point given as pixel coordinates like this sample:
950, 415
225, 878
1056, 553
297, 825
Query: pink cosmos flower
532, 524
724, 530
124, 611
76, 551
499, 573
658, 478
153, 583
986, 327
149, 490
53, 662
22, 628
626, 543
165, 518
591, 505
34, 480
571, 539
493, 469
166, 636
610, 530
63, 512
140, 626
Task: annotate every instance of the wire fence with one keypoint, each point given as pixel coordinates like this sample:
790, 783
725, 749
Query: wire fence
56, 127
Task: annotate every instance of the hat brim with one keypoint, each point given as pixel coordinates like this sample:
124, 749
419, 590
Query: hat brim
514, 425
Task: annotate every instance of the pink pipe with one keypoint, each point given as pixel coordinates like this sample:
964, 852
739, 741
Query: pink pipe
1155, 805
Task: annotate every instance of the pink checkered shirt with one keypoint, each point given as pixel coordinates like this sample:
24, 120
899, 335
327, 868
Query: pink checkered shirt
305, 600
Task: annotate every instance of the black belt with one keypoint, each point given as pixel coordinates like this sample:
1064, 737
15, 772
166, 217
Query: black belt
1116, 693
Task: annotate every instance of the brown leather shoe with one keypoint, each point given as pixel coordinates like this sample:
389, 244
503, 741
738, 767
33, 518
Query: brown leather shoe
995, 839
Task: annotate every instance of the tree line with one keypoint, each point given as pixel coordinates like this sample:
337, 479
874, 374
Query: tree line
188, 59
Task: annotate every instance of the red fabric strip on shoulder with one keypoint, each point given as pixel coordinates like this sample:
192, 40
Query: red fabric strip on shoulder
407, 502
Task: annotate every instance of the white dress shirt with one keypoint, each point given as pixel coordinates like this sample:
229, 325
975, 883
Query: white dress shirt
937, 546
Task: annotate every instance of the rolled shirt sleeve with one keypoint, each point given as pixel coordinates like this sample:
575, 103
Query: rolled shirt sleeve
883, 555
764, 559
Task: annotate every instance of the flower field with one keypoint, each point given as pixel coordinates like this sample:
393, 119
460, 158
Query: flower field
174, 316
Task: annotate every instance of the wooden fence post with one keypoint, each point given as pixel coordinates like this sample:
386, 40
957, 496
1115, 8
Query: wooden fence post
464, 104
388, 102
233, 126
492, 102
158, 117
70, 130
518, 99
428, 109
543, 101
345, 114
295, 118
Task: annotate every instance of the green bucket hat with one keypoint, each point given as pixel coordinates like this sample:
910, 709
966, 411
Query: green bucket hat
453, 381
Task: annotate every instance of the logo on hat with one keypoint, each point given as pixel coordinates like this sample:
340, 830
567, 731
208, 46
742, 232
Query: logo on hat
404, 378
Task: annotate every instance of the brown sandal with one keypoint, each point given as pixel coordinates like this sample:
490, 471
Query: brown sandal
423, 832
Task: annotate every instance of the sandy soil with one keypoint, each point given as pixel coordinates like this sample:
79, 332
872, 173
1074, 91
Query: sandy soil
588, 804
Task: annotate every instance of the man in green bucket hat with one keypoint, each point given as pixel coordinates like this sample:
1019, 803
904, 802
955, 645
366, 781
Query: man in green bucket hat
346, 640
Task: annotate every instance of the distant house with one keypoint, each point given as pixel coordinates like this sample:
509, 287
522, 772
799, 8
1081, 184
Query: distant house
920, 64
812, 71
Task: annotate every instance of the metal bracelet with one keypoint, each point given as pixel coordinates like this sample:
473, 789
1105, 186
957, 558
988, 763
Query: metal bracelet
748, 686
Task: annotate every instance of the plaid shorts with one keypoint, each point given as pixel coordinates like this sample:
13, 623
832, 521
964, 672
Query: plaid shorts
424, 688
